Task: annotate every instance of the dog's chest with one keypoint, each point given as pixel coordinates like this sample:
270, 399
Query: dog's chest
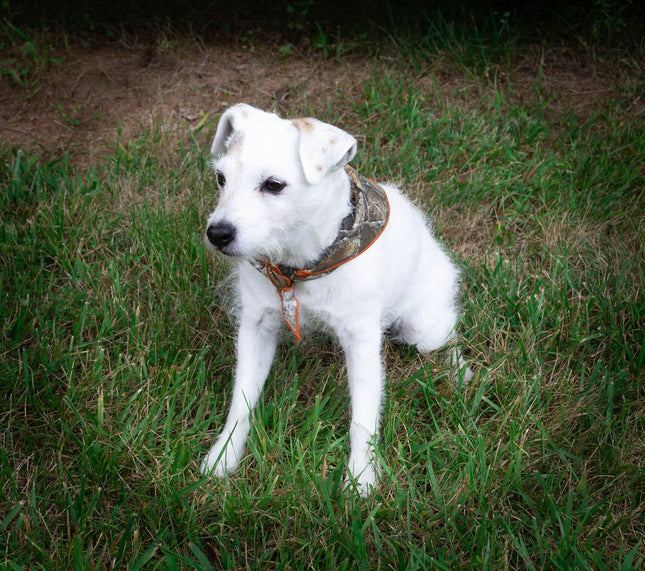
319, 303
323, 304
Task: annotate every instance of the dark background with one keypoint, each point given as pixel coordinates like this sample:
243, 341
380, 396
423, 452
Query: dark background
619, 22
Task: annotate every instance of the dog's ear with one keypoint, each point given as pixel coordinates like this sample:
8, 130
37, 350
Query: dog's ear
323, 148
232, 120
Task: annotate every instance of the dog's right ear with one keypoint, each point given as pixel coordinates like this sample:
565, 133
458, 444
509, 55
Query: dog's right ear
232, 120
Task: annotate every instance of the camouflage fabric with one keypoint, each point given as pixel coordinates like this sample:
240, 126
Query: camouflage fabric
358, 231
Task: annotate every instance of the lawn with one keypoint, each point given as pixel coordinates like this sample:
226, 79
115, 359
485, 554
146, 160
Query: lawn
116, 347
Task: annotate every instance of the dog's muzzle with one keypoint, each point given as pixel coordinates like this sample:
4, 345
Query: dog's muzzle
221, 234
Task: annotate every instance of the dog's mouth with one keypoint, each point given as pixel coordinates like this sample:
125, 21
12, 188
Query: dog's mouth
226, 251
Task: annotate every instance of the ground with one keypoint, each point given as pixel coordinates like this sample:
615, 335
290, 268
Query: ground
92, 97
83, 103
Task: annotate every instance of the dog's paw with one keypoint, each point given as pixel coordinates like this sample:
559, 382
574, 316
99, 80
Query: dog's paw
362, 477
211, 466
223, 458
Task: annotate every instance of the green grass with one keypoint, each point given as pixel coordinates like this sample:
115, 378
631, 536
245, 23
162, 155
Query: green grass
116, 356
24, 57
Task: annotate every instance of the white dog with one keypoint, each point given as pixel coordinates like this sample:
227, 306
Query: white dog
314, 243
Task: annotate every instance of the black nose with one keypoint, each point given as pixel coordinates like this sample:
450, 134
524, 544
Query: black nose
221, 234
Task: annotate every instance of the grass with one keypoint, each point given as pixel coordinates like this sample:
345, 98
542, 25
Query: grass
24, 57
116, 355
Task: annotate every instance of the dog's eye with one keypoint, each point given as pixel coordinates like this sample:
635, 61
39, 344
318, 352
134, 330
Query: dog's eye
221, 179
273, 185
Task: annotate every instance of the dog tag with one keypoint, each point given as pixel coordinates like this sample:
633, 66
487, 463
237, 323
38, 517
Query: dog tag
290, 307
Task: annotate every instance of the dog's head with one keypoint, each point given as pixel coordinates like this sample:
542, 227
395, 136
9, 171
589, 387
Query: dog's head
283, 191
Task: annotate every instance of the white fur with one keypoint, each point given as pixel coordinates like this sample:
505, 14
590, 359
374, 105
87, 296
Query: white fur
404, 283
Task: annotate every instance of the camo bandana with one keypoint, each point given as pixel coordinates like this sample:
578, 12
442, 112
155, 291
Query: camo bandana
358, 231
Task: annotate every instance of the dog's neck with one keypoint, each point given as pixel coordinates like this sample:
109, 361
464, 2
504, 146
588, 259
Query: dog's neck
355, 233
319, 233
365, 217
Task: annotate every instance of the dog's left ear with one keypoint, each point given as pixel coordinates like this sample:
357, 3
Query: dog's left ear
323, 148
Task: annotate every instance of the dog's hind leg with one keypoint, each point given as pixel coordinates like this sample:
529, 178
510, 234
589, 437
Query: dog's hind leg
256, 345
429, 331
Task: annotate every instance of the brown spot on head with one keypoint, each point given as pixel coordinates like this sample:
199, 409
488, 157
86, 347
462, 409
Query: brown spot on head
319, 168
303, 125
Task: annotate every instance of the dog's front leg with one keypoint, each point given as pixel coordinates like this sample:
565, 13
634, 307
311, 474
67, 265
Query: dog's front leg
255, 349
365, 374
